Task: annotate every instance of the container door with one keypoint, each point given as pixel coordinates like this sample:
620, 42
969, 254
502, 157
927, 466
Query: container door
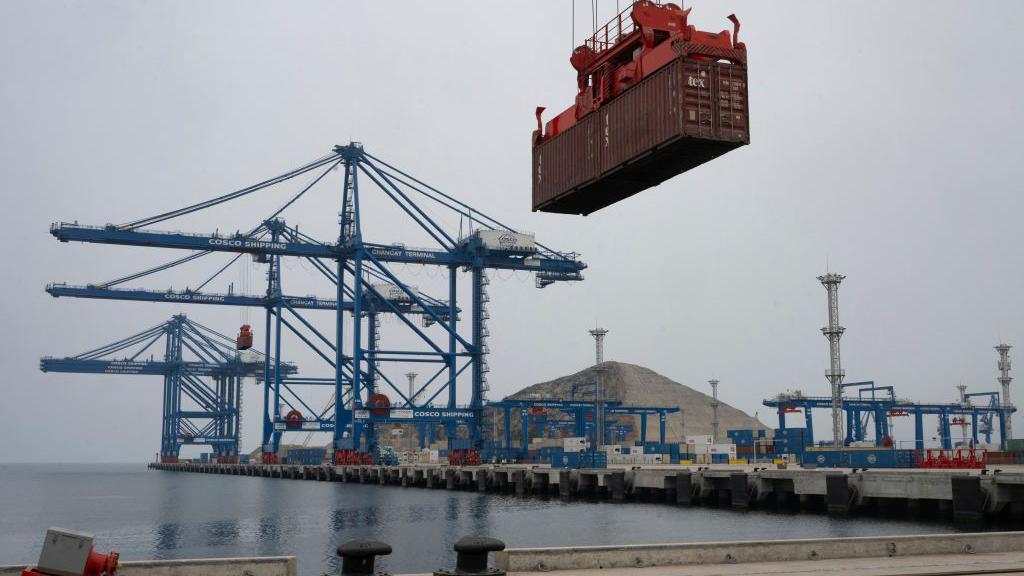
731, 104
698, 98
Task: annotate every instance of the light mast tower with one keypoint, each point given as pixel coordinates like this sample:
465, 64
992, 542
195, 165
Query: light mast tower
835, 372
714, 410
599, 334
1004, 381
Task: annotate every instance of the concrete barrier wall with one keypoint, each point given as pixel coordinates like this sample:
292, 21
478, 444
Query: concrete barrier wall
257, 566
646, 555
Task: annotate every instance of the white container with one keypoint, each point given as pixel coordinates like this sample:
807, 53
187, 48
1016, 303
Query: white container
392, 292
723, 449
698, 448
574, 444
504, 241
700, 439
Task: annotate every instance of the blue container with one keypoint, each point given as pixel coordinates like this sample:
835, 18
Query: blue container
657, 448
741, 437
859, 458
460, 444
562, 459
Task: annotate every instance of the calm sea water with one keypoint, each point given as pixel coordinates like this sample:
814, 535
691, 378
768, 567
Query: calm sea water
146, 514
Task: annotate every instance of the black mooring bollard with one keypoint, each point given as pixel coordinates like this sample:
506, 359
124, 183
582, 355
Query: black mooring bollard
471, 557
357, 556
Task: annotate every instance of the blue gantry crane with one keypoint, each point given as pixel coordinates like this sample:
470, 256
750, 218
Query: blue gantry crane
298, 414
882, 408
202, 374
583, 419
365, 278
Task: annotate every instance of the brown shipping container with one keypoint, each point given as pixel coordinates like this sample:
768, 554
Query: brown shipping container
569, 161
687, 113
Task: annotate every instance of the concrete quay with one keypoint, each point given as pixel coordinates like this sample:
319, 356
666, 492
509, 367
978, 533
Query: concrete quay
940, 554
963, 494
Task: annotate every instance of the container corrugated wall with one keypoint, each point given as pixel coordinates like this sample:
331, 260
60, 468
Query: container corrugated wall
687, 113
642, 118
566, 162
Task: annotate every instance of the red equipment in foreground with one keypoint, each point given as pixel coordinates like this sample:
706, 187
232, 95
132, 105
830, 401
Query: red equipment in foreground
957, 458
656, 98
464, 457
352, 458
244, 339
70, 553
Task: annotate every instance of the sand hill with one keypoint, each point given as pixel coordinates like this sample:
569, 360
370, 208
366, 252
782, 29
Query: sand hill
638, 386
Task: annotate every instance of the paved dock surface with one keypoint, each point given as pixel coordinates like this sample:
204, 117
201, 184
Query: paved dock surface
944, 564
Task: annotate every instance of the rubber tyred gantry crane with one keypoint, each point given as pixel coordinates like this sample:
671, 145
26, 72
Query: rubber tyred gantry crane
365, 275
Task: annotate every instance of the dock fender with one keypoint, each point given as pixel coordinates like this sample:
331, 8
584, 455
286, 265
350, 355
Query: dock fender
839, 493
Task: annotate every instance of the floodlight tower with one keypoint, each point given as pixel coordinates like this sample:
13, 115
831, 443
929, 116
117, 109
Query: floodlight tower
599, 334
412, 385
835, 373
714, 410
1004, 381
963, 393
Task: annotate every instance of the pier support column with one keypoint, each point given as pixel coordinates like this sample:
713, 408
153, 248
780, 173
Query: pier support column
587, 484
967, 498
740, 497
449, 479
684, 488
481, 480
837, 493
617, 485
519, 479
669, 489
565, 483
541, 484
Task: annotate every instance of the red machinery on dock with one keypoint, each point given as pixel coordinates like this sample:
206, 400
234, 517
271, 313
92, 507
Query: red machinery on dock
656, 98
70, 553
968, 458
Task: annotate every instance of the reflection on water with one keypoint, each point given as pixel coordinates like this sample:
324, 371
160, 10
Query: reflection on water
222, 532
146, 514
167, 537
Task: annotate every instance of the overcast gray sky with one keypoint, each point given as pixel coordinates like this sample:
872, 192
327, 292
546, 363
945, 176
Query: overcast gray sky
886, 144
